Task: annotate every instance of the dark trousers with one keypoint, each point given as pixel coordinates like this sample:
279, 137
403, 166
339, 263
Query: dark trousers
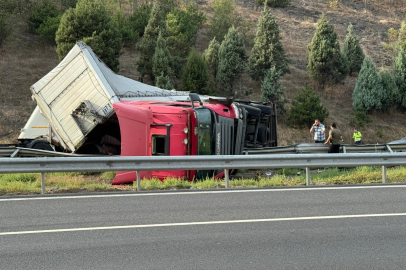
358, 142
334, 148
319, 141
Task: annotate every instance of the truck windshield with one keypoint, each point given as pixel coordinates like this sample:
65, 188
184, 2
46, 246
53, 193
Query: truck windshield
204, 138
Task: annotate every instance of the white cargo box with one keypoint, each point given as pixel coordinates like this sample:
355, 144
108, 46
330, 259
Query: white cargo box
78, 94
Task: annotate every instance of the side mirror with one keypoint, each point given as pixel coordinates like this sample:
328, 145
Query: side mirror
195, 97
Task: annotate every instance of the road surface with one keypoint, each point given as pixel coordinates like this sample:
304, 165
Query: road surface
286, 228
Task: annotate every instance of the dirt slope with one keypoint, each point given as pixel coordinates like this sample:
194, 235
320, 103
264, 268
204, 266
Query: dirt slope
25, 59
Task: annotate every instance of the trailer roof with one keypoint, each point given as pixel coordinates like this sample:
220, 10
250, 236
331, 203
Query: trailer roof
117, 86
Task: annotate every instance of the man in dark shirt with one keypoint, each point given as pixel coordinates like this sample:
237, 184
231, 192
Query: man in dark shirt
334, 137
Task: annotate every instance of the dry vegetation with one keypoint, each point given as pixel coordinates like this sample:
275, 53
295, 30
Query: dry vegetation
25, 59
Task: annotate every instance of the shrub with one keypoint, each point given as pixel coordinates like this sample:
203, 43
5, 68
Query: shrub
91, 22
211, 56
161, 62
4, 29
272, 89
353, 51
182, 25
164, 82
128, 33
368, 91
41, 13
360, 119
399, 71
268, 50
194, 76
232, 58
326, 64
146, 47
224, 17
389, 87
139, 19
47, 30
274, 3
305, 108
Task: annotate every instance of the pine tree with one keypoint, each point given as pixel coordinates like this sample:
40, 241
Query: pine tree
268, 50
146, 46
161, 61
353, 51
211, 56
368, 91
232, 58
401, 42
399, 71
194, 76
164, 82
326, 64
305, 108
272, 90
92, 23
390, 88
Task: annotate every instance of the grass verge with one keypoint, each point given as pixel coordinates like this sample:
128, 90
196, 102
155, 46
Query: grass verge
28, 183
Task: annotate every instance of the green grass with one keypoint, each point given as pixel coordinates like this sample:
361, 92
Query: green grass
26, 183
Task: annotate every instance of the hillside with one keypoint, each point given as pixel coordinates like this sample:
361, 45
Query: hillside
25, 58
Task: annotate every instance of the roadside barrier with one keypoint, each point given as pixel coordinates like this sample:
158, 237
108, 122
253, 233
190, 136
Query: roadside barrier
157, 163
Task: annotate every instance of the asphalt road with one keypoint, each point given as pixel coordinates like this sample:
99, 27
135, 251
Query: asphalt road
295, 228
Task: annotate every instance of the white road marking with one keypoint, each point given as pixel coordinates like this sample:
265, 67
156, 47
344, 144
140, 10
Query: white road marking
195, 192
200, 223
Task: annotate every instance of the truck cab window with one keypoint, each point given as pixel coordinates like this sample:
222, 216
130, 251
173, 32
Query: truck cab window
158, 145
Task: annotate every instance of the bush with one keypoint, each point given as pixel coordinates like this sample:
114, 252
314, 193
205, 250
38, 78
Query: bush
353, 51
194, 76
360, 119
305, 108
399, 71
272, 89
274, 3
128, 33
92, 23
326, 64
224, 17
232, 60
47, 30
268, 50
139, 19
162, 59
41, 13
146, 47
4, 29
390, 89
181, 26
368, 91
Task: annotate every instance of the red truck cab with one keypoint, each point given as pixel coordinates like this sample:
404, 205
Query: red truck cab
157, 128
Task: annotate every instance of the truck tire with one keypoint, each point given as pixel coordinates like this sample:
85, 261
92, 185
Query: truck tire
42, 146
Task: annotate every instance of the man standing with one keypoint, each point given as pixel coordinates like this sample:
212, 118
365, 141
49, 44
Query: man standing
334, 137
318, 129
357, 136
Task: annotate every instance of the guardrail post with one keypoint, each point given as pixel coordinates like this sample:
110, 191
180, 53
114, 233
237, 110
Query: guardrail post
227, 178
307, 176
138, 181
384, 174
42, 183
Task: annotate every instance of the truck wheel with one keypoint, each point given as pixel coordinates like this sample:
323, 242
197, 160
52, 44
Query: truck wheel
42, 146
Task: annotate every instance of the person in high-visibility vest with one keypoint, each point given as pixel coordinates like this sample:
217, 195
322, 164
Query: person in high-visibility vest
357, 136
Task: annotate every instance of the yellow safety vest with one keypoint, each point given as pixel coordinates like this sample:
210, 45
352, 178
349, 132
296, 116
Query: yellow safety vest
357, 136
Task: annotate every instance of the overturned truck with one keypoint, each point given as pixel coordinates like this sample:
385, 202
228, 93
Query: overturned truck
90, 109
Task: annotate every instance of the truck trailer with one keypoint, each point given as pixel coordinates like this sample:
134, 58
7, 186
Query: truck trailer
83, 107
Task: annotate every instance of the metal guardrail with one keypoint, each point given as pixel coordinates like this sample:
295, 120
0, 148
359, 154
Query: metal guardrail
117, 163
312, 148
